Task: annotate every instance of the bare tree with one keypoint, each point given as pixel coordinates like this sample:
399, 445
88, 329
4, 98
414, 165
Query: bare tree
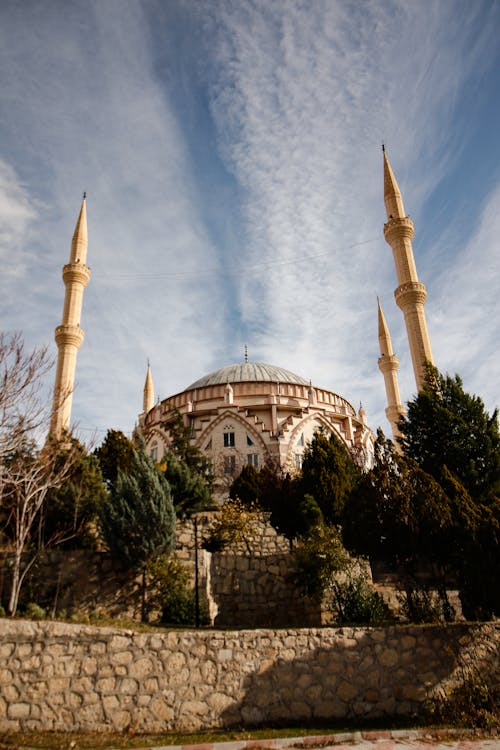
27, 472
28, 476
22, 411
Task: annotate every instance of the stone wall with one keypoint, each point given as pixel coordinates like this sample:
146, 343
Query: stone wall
56, 676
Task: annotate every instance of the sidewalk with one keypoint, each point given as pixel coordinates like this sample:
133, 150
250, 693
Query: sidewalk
400, 739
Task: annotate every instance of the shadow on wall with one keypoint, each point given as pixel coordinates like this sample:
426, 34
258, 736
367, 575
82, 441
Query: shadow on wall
364, 674
255, 592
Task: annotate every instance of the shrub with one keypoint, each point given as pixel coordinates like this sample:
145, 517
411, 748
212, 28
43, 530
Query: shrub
356, 602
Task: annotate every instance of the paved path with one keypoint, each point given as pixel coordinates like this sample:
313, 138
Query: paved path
401, 739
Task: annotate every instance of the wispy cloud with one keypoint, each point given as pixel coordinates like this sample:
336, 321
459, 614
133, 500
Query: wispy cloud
231, 154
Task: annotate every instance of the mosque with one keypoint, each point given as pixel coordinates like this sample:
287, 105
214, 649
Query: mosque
251, 412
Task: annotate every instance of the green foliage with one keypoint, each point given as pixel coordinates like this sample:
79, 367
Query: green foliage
472, 703
291, 513
247, 486
190, 490
138, 521
420, 604
445, 426
33, 611
173, 595
181, 447
317, 558
357, 603
328, 475
72, 509
115, 454
235, 524
397, 512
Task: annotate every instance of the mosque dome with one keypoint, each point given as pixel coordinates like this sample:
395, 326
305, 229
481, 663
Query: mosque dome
247, 372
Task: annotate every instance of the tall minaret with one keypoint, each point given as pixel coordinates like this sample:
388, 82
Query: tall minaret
69, 335
411, 293
388, 366
149, 392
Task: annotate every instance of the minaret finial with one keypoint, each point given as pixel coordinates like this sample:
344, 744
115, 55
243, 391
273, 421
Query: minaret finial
246, 353
383, 148
84, 195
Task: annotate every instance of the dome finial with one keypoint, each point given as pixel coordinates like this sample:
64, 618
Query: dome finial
246, 353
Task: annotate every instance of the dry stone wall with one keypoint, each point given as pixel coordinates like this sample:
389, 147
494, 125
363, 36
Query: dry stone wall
56, 676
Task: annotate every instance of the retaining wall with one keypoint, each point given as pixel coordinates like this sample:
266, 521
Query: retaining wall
56, 676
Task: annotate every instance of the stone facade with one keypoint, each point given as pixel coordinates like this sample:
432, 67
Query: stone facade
63, 677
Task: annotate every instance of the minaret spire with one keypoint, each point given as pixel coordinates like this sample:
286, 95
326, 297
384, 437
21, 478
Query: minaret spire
411, 293
69, 335
388, 366
149, 392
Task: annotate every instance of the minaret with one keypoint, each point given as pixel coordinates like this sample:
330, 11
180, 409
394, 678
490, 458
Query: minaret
149, 392
388, 366
69, 335
411, 293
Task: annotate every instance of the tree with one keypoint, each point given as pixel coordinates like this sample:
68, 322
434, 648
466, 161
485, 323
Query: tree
317, 557
138, 521
190, 490
22, 411
397, 512
115, 454
328, 475
445, 426
28, 475
72, 509
290, 513
182, 448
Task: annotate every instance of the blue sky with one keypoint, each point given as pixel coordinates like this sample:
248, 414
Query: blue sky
231, 152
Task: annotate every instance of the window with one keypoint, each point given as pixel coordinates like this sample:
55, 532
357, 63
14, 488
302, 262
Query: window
229, 464
298, 461
208, 446
154, 452
300, 441
249, 440
253, 460
229, 440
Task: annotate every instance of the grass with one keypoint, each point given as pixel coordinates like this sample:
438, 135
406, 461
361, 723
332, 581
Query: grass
129, 740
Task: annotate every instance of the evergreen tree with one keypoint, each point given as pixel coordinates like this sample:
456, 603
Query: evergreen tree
138, 521
398, 513
445, 426
115, 454
181, 447
328, 475
71, 510
190, 490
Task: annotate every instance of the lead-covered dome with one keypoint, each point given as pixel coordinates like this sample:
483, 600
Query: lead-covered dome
245, 372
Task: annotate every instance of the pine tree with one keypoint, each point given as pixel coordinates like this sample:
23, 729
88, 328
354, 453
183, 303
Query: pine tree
445, 426
138, 521
328, 475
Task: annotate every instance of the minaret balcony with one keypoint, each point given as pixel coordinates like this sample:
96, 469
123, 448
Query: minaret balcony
76, 273
399, 228
69, 336
411, 293
388, 363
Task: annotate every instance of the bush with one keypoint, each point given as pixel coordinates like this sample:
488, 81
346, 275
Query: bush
473, 703
173, 595
34, 612
420, 604
357, 603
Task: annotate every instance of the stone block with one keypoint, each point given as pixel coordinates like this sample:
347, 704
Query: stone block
161, 709
18, 710
141, 668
